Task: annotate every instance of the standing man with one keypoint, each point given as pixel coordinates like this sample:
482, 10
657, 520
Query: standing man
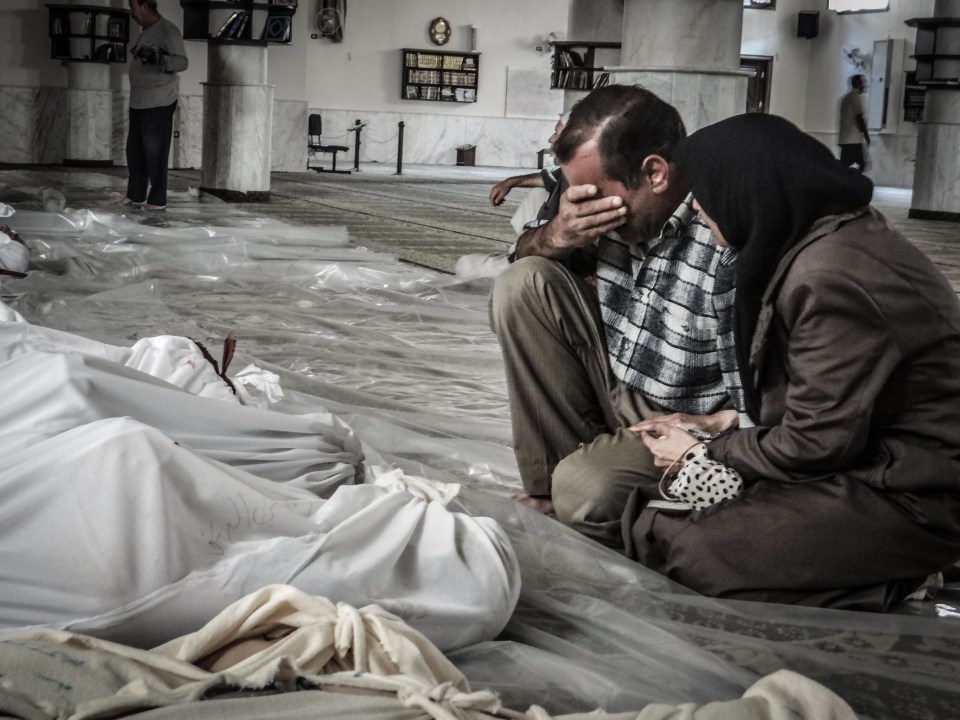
655, 336
852, 126
156, 58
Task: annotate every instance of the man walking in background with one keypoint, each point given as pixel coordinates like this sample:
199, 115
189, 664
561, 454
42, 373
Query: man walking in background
853, 128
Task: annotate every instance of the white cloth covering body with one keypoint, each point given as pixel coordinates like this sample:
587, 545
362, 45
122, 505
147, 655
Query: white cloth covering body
115, 530
135, 510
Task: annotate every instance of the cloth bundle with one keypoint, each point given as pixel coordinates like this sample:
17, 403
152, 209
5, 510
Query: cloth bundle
340, 662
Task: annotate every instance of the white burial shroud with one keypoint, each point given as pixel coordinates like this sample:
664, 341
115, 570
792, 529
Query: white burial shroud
127, 511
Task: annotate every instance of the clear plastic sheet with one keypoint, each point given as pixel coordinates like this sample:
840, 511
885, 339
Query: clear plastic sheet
405, 357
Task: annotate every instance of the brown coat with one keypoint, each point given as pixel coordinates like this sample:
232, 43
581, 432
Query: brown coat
857, 357
853, 475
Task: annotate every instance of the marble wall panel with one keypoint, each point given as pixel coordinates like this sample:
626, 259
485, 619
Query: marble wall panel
33, 125
16, 136
186, 149
595, 20
121, 119
90, 125
941, 105
700, 98
506, 142
49, 125
380, 134
682, 33
936, 183
529, 94
289, 141
434, 139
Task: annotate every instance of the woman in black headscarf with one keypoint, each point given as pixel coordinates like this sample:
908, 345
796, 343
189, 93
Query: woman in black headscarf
849, 346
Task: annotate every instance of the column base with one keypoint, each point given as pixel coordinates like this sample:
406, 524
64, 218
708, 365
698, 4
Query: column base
239, 196
917, 214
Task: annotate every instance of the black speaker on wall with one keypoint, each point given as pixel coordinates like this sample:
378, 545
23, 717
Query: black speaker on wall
808, 24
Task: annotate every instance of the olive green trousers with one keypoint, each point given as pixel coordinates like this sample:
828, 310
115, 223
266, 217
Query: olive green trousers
568, 409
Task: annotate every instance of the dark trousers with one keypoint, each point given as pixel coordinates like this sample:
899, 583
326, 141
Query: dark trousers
851, 155
148, 147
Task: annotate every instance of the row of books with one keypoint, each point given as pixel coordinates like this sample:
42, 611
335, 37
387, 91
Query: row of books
432, 92
433, 61
82, 23
580, 79
278, 28
459, 78
234, 26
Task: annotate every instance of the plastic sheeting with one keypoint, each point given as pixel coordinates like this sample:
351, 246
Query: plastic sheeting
405, 357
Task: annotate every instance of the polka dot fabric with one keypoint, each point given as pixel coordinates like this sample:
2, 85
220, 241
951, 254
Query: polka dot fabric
703, 482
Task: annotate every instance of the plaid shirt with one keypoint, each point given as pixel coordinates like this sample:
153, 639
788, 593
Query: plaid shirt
667, 311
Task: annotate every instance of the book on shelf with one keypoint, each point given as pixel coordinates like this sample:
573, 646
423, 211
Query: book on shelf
243, 25
568, 59
111, 52
231, 28
278, 28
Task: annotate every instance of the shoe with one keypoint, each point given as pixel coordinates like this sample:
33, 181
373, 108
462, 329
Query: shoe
154, 207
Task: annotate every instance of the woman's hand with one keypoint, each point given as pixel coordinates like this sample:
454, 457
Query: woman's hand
709, 424
665, 441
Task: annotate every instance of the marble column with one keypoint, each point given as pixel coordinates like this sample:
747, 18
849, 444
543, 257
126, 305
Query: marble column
936, 179
237, 123
688, 53
89, 109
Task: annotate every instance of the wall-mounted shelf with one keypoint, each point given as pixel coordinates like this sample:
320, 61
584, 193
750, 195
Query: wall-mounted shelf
579, 65
88, 33
242, 22
439, 75
927, 57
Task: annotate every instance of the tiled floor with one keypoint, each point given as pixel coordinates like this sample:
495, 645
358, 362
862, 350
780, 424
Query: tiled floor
429, 215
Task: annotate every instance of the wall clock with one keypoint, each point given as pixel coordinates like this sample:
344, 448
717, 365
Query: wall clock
439, 31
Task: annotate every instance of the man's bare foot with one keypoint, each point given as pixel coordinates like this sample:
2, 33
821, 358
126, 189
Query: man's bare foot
541, 504
122, 202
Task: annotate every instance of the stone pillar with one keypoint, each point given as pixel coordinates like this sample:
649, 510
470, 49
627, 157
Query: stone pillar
936, 178
237, 123
89, 110
688, 53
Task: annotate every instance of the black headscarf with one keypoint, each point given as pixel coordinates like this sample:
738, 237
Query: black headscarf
765, 183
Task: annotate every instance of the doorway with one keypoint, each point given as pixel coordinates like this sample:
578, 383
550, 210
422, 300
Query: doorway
758, 85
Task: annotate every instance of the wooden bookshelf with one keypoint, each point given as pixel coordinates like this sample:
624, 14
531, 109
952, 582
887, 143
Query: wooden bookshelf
89, 33
240, 21
579, 65
443, 76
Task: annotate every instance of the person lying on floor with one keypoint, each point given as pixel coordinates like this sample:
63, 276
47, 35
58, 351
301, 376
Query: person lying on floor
846, 493
14, 255
114, 530
135, 510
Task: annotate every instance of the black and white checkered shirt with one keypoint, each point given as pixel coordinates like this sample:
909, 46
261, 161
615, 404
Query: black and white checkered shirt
667, 311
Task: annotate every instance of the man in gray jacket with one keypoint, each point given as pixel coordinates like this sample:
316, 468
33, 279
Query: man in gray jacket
157, 56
